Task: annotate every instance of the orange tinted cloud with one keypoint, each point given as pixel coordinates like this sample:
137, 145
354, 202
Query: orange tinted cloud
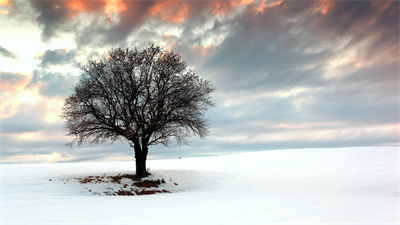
220, 7
204, 50
170, 10
381, 5
75, 5
17, 83
110, 6
4, 2
243, 2
114, 6
223, 7
268, 4
323, 6
14, 92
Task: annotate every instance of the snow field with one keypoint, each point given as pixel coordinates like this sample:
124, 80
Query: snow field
304, 186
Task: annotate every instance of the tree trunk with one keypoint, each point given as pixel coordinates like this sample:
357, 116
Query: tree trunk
141, 157
141, 167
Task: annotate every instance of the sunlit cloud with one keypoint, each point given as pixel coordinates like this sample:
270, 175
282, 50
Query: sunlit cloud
381, 5
4, 2
53, 110
267, 4
12, 100
170, 10
14, 82
41, 135
114, 6
5, 7
204, 50
75, 5
14, 92
54, 157
220, 7
323, 6
308, 132
289, 93
29, 96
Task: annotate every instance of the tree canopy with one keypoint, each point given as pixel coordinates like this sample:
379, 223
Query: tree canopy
146, 97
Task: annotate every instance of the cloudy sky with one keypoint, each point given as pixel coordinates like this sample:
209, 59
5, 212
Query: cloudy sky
288, 74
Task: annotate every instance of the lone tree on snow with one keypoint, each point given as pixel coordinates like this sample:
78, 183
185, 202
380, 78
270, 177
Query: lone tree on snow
147, 97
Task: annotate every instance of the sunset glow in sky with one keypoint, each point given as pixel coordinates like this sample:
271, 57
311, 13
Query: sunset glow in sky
288, 74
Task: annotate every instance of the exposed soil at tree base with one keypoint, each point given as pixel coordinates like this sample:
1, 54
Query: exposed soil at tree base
126, 185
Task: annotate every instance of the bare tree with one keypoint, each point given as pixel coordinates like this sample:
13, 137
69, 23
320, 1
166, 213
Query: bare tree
146, 97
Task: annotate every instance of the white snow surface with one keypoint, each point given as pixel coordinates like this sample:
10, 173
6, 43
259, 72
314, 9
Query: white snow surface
302, 186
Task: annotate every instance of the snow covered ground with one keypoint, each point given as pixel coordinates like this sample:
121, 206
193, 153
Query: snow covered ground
309, 186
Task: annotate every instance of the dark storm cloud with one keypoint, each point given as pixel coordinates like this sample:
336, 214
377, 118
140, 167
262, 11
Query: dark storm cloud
4, 52
57, 57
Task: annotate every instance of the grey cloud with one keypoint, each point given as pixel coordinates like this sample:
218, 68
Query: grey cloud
103, 31
13, 146
289, 54
288, 47
266, 53
53, 84
54, 16
6, 53
129, 20
57, 57
91, 36
51, 16
362, 20
366, 97
12, 78
29, 118
272, 52
132, 20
